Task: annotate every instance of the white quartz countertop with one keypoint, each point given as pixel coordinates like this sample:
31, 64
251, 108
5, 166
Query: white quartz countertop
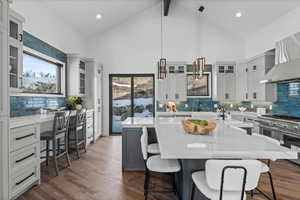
224, 142
137, 122
16, 122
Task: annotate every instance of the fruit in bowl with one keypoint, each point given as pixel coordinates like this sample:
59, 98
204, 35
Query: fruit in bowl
198, 127
200, 122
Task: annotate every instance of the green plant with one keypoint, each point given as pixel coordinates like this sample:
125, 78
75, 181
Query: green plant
73, 101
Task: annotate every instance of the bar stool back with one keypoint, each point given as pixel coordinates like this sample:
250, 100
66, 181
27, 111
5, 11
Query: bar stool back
58, 134
227, 179
77, 132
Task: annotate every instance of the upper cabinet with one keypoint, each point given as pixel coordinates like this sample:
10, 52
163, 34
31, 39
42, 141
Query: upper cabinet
251, 73
76, 75
224, 81
15, 43
174, 87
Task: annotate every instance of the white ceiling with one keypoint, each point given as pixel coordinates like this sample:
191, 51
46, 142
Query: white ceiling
256, 14
81, 14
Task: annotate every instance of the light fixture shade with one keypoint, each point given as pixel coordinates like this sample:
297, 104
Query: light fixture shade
162, 68
199, 67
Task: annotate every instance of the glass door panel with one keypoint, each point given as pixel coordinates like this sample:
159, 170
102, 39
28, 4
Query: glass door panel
13, 63
121, 94
143, 96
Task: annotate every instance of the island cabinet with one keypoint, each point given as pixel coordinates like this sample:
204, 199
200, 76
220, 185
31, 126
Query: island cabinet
132, 158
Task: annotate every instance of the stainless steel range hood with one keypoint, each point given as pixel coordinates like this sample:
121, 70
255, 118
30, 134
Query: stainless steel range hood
287, 61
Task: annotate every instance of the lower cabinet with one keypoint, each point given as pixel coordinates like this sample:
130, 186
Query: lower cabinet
24, 159
90, 128
132, 158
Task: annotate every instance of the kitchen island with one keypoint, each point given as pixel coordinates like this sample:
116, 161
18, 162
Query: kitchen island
193, 150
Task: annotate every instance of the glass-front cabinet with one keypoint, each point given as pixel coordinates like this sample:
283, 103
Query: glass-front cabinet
15, 43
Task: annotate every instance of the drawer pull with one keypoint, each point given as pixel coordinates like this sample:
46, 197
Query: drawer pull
26, 136
20, 182
17, 161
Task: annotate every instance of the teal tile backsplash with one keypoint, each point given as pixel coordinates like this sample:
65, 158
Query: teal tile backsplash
26, 105
190, 105
29, 105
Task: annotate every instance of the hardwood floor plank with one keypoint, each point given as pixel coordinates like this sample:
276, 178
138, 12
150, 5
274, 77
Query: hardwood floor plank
98, 176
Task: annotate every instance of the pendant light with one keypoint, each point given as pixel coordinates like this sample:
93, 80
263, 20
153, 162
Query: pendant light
199, 65
162, 64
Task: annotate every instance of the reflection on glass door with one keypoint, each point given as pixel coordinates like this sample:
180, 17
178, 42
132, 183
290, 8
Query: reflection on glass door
143, 97
121, 101
131, 95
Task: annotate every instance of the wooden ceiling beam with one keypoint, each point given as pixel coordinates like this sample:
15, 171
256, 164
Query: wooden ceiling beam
166, 7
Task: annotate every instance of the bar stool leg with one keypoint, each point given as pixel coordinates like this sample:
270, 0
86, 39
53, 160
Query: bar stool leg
193, 191
47, 152
55, 157
66, 150
272, 185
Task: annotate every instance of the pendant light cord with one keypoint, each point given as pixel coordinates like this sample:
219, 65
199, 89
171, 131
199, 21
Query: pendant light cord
161, 29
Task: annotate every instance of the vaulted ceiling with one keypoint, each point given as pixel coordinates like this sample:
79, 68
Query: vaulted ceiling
81, 14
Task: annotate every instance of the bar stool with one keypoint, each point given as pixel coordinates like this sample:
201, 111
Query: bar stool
265, 168
226, 179
77, 132
156, 164
58, 133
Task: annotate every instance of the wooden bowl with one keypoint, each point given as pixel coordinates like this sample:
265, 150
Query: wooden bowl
191, 128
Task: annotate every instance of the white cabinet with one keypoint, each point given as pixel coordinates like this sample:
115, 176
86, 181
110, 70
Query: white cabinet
15, 43
24, 159
256, 69
174, 87
224, 81
4, 106
76, 76
241, 81
90, 129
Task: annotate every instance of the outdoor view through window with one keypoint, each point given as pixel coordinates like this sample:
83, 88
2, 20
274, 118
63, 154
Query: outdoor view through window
40, 76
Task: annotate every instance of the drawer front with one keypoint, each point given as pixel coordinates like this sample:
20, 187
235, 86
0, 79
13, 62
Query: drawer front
21, 180
90, 125
24, 157
24, 136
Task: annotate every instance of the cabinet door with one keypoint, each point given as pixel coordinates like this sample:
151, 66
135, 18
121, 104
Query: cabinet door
171, 87
229, 82
181, 87
15, 28
15, 65
241, 82
161, 91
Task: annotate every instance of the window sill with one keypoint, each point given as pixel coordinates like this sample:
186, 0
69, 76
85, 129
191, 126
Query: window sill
20, 93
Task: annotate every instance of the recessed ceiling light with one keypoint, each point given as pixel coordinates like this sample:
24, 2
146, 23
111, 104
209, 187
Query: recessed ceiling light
238, 14
98, 16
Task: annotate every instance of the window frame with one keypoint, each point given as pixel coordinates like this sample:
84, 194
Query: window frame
61, 79
209, 86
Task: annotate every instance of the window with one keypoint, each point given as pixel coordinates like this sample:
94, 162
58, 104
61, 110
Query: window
40, 75
82, 77
198, 87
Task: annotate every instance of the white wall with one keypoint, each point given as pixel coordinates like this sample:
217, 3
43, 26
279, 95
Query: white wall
265, 38
44, 24
134, 46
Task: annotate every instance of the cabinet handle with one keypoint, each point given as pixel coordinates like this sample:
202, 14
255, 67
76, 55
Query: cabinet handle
21, 37
26, 136
20, 182
17, 161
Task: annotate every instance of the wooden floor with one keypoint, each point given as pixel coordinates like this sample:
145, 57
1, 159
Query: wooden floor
98, 176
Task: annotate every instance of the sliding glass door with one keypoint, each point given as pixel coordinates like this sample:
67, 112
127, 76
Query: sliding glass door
131, 95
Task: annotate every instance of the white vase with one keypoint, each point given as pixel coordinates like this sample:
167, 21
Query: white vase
78, 107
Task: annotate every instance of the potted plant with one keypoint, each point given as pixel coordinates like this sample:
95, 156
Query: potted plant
74, 103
